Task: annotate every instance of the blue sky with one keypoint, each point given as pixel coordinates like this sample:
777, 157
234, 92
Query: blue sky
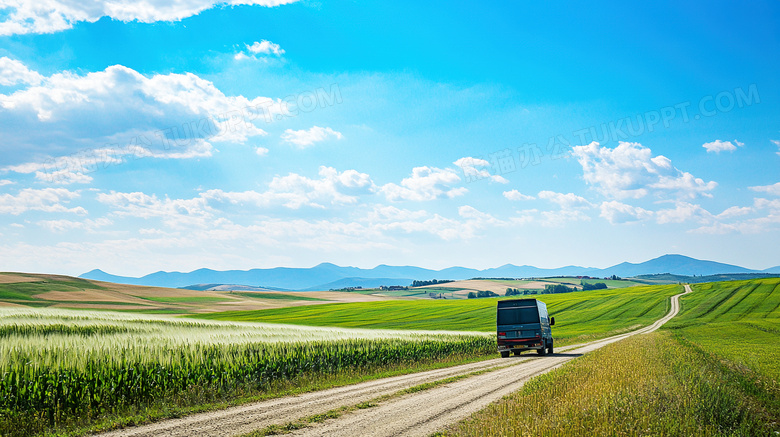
146, 137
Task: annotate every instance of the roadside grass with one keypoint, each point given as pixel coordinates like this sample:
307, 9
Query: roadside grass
652, 384
712, 371
580, 316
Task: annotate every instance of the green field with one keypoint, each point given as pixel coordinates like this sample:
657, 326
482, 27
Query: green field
194, 299
64, 370
23, 292
738, 321
611, 283
275, 296
712, 371
40, 290
580, 316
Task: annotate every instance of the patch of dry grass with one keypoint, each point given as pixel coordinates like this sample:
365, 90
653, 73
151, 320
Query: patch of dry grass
648, 385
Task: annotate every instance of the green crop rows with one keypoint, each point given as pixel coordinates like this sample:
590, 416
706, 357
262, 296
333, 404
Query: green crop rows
70, 368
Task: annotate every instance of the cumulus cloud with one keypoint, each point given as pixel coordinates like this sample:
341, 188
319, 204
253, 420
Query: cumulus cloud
425, 183
63, 225
571, 208
65, 170
565, 201
773, 189
618, 212
516, 195
475, 169
295, 191
307, 137
259, 50
173, 212
56, 15
261, 151
13, 72
292, 191
631, 171
683, 212
766, 219
118, 113
734, 211
718, 146
384, 219
265, 47
46, 200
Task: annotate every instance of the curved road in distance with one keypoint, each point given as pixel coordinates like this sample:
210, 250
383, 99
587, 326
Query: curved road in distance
416, 414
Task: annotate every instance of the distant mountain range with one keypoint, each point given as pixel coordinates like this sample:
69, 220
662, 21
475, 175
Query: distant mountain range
327, 276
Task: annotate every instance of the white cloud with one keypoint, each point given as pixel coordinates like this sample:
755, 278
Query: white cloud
469, 212
295, 191
13, 72
119, 112
776, 143
385, 219
473, 170
561, 217
65, 170
173, 212
46, 200
265, 47
773, 189
57, 15
68, 225
765, 218
734, 211
261, 151
683, 212
516, 195
718, 146
307, 137
425, 183
571, 206
631, 171
64, 177
617, 212
6, 182
565, 201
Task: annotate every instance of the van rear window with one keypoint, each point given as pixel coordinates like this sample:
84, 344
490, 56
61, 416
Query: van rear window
517, 316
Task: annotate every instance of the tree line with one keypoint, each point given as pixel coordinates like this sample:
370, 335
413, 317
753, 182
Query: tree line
416, 283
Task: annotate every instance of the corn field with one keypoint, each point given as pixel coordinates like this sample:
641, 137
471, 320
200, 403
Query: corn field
59, 365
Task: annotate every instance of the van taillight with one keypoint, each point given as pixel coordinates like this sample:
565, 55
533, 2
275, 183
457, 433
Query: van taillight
502, 333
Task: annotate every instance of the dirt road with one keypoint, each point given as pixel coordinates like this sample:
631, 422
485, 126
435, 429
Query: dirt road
415, 414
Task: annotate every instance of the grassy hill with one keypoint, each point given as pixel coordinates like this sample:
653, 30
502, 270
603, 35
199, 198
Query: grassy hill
56, 291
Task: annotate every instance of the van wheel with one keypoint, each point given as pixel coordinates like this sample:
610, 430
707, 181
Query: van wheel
550, 349
504, 354
542, 351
